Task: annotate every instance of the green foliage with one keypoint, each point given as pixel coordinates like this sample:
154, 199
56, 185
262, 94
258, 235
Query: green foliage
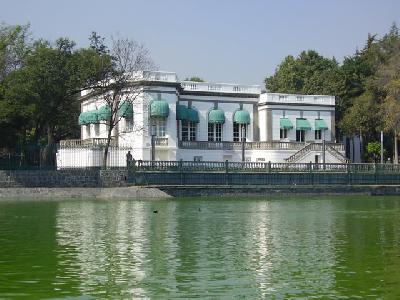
38, 99
195, 79
374, 151
309, 73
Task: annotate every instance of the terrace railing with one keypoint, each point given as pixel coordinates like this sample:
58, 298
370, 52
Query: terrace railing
87, 143
329, 147
262, 167
272, 145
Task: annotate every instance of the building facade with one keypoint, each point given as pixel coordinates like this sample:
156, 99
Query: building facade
206, 122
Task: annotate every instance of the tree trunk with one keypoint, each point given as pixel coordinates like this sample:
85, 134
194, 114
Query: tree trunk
396, 156
106, 148
48, 150
361, 147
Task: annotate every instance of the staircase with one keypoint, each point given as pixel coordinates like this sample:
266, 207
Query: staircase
316, 147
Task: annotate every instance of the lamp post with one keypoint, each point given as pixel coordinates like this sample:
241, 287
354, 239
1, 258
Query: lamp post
381, 147
243, 142
323, 153
153, 147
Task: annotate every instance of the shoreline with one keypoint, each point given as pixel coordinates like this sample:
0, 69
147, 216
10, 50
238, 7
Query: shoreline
164, 192
45, 193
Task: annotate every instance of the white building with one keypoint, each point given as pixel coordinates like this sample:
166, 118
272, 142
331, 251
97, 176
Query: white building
209, 122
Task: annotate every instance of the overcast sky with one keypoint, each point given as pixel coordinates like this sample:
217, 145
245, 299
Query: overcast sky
221, 41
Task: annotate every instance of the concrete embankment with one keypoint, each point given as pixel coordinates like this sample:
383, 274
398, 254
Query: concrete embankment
68, 193
158, 192
198, 191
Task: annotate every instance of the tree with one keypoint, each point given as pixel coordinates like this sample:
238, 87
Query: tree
388, 79
15, 43
194, 78
309, 73
119, 78
373, 151
41, 97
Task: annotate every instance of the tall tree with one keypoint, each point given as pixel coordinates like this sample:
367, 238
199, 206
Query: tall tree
119, 77
309, 73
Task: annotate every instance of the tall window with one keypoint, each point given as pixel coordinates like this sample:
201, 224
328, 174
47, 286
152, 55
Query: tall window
128, 124
300, 135
283, 134
188, 131
97, 129
158, 127
239, 132
214, 132
88, 131
318, 134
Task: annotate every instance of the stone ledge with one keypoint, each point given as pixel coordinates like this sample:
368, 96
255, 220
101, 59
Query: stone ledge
78, 193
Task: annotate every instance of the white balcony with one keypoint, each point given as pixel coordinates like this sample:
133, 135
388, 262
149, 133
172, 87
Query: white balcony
159, 76
220, 87
297, 99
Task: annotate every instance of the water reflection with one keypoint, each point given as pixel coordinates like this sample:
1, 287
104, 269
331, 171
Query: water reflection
213, 248
221, 248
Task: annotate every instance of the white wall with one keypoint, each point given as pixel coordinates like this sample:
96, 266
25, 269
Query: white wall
309, 113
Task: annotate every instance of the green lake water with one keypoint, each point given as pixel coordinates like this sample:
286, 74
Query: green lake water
288, 248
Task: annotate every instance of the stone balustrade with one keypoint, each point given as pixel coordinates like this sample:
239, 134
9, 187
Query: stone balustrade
220, 87
272, 145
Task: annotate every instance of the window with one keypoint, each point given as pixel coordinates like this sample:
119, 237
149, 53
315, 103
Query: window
128, 124
158, 127
192, 131
300, 135
239, 132
188, 131
282, 98
283, 134
198, 158
88, 131
318, 134
214, 132
97, 129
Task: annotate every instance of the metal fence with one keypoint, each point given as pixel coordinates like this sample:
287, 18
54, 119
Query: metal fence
257, 173
29, 157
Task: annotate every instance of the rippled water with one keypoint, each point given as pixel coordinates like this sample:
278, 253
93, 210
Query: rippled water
342, 248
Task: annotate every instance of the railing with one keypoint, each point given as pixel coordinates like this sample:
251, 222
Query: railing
330, 147
93, 142
213, 166
272, 145
161, 141
337, 154
220, 87
160, 76
300, 99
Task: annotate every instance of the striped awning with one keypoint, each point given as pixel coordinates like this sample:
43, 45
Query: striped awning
285, 123
303, 124
320, 124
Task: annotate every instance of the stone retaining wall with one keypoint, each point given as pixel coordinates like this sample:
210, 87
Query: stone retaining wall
50, 178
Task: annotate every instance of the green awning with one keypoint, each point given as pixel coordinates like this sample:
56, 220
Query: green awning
82, 118
303, 124
241, 117
88, 117
181, 112
104, 113
216, 116
159, 109
320, 124
125, 110
193, 115
285, 123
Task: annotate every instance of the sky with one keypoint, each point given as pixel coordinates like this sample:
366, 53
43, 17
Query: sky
218, 40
